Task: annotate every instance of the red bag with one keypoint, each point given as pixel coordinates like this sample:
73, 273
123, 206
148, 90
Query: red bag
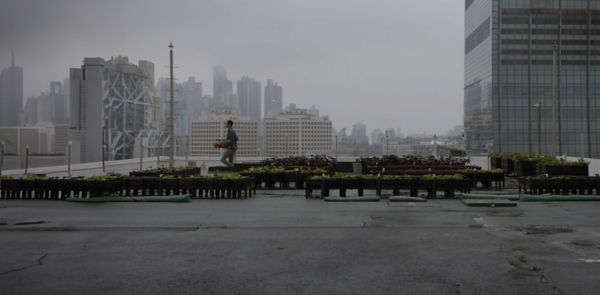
221, 144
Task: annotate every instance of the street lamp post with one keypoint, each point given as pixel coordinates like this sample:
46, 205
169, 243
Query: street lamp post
1, 164
538, 106
556, 124
69, 159
582, 140
141, 154
2, 147
171, 120
387, 143
158, 150
104, 133
26, 159
103, 158
187, 148
435, 151
336, 146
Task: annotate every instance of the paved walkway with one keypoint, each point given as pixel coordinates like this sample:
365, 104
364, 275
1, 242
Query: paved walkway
276, 244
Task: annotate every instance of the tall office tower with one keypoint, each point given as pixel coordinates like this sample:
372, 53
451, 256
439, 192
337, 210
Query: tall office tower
157, 116
66, 92
30, 111
11, 94
273, 99
110, 104
359, 133
163, 92
50, 107
190, 96
377, 136
314, 111
222, 87
532, 73
59, 103
249, 95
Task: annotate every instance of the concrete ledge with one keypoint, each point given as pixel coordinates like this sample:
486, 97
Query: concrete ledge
489, 196
406, 199
351, 199
559, 198
489, 203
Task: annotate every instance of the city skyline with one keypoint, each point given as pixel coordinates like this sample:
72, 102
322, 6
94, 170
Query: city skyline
315, 68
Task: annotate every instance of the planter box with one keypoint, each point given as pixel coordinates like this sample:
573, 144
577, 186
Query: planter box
508, 166
525, 168
564, 185
191, 171
496, 162
569, 170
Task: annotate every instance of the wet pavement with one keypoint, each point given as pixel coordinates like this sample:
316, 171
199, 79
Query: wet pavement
281, 243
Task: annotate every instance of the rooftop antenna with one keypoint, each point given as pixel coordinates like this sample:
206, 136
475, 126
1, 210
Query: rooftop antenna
171, 120
12, 57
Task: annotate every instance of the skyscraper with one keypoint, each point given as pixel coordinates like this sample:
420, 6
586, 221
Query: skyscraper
273, 99
49, 107
249, 95
359, 133
222, 87
190, 95
111, 105
377, 136
11, 94
187, 102
30, 112
515, 52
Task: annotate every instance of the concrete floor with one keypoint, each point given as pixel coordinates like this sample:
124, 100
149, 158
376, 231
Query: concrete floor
282, 244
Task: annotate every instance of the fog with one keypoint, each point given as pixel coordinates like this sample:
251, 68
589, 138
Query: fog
387, 63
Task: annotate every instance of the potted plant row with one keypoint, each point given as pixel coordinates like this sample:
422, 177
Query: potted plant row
430, 183
41, 187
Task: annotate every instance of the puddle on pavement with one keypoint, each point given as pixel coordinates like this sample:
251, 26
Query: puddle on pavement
504, 214
544, 229
590, 260
583, 243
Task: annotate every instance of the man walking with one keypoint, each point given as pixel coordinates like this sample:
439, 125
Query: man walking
231, 141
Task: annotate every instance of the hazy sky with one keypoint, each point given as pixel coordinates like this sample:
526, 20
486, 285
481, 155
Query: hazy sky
387, 63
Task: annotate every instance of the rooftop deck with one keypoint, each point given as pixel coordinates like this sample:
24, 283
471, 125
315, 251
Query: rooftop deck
282, 243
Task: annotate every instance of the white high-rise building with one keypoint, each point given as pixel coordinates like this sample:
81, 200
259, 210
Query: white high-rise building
297, 133
208, 129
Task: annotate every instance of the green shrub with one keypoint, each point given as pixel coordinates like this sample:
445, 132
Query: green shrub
36, 177
99, 178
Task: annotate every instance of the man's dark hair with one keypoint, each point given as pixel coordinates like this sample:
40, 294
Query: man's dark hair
229, 122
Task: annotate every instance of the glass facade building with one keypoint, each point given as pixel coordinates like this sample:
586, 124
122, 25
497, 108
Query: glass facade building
515, 51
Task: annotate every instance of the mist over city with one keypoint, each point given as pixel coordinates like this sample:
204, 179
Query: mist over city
344, 57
